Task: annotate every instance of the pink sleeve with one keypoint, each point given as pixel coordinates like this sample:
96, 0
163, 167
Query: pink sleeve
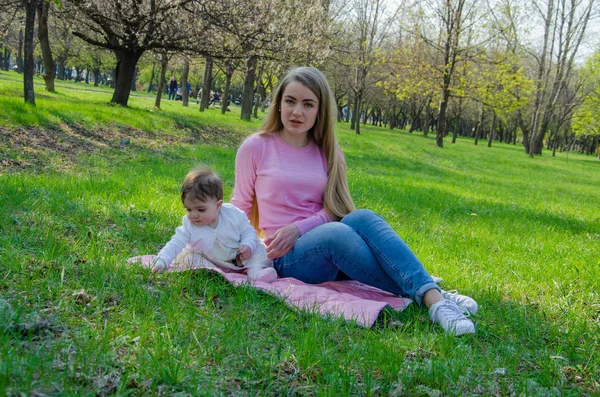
306, 225
245, 175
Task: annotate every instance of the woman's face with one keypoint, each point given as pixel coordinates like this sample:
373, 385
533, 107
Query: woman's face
299, 108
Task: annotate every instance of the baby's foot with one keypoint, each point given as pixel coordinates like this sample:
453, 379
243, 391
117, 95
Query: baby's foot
264, 274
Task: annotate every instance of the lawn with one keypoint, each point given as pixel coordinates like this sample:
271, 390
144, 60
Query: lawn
84, 185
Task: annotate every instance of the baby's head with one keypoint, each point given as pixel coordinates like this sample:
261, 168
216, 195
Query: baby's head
202, 196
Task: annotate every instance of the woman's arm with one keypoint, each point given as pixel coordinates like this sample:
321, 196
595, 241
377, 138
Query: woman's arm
306, 225
248, 235
245, 176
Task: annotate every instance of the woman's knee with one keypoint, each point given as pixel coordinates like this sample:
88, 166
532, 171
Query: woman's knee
360, 217
331, 232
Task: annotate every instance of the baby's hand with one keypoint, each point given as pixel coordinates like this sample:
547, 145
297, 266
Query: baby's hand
159, 267
245, 252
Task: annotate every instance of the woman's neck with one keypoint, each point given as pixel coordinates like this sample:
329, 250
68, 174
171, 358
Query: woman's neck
298, 141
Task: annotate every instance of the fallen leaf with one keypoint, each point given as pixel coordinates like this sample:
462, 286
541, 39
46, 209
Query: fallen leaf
81, 297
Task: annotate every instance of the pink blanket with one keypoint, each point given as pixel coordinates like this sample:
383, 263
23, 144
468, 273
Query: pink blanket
353, 300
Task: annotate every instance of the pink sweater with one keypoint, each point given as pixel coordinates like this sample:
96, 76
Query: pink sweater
289, 183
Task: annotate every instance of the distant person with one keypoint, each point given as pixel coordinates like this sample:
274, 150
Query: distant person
173, 88
213, 232
291, 181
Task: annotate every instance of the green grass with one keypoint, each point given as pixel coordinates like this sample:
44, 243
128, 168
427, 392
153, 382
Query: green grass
520, 235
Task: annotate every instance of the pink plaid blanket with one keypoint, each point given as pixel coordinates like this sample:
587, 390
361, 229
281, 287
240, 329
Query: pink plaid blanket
352, 300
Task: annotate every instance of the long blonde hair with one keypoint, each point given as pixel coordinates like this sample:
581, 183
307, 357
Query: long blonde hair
337, 199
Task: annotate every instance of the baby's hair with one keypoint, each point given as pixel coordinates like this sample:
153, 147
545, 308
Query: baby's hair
202, 184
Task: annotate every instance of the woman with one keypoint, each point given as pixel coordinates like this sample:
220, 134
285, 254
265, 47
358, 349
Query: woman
291, 180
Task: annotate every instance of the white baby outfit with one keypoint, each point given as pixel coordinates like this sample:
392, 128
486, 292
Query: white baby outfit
191, 244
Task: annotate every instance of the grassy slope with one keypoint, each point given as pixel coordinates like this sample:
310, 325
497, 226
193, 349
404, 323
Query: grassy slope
68, 222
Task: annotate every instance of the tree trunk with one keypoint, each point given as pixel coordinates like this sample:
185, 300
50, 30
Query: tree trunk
248, 90
493, 131
355, 113
454, 135
164, 62
456, 128
134, 79
125, 70
43, 7
113, 80
20, 49
152, 74
206, 84
350, 100
427, 124
358, 114
96, 77
479, 125
458, 120
184, 82
225, 99
30, 10
5, 58
441, 123
61, 68
366, 114
261, 92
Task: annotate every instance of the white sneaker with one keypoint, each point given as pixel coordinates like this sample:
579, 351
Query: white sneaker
451, 317
466, 302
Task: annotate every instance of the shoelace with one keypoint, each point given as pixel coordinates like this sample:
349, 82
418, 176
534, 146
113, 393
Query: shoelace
453, 293
452, 309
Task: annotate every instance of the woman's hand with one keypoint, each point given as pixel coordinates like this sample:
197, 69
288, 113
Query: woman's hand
282, 241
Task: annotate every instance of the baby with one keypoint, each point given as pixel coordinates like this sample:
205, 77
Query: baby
213, 233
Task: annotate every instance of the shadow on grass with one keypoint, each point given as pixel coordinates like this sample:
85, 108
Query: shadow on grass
379, 176
453, 207
520, 342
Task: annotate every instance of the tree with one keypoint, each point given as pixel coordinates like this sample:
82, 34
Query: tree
96, 60
164, 61
367, 26
586, 119
131, 27
206, 83
499, 84
565, 25
28, 62
267, 29
411, 79
228, 67
43, 9
10, 24
64, 45
455, 18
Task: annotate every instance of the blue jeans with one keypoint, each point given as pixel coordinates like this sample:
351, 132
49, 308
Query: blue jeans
362, 247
